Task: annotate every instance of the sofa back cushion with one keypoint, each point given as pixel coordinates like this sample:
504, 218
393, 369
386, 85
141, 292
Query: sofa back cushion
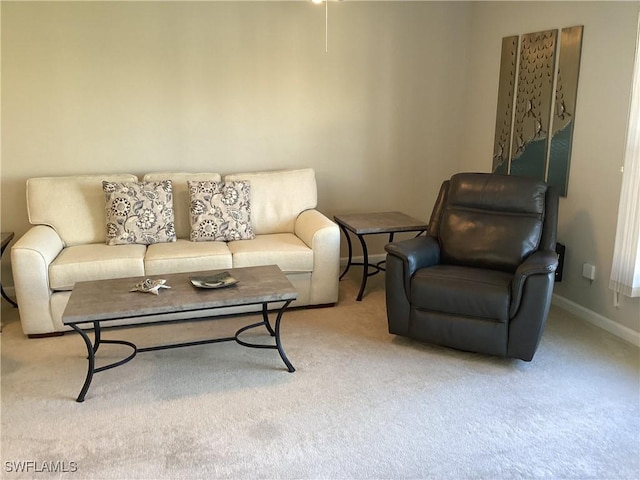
181, 199
278, 197
491, 221
73, 206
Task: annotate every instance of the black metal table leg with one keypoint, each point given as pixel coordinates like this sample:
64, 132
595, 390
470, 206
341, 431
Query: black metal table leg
361, 224
365, 267
279, 342
265, 317
276, 334
92, 348
91, 362
365, 263
91, 356
350, 251
97, 336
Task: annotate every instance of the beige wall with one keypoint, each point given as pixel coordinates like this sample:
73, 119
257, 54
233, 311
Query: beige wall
405, 97
589, 212
235, 86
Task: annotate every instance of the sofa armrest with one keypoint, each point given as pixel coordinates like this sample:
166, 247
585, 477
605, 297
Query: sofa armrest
31, 256
323, 237
542, 262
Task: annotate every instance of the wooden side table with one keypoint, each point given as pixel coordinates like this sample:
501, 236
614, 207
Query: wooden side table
361, 224
6, 238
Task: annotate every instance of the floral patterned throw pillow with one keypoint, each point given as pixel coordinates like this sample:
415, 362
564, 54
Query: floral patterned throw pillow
139, 213
220, 211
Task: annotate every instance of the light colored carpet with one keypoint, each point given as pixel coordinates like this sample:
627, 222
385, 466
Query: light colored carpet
362, 404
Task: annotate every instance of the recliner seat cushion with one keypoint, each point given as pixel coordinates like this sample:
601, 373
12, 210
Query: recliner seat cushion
457, 290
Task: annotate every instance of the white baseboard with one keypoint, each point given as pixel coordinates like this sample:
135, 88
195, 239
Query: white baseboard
598, 320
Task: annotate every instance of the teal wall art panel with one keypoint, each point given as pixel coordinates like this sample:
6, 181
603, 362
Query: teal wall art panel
565, 108
533, 104
535, 116
504, 113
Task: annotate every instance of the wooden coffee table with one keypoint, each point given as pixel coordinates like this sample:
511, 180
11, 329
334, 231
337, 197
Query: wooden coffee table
112, 300
361, 224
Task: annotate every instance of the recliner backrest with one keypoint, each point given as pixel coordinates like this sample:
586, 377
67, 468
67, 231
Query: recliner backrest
489, 220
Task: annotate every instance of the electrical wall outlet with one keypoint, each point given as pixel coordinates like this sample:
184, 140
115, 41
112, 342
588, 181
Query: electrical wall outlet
589, 271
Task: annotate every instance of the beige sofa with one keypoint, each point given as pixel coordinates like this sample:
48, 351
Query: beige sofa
66, 243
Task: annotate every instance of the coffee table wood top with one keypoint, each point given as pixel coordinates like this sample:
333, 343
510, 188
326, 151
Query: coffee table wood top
113, 300
380, 222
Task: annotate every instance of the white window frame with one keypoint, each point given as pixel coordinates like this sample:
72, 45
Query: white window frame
625, 270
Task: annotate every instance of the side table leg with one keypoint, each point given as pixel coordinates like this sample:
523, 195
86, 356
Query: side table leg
365, 267
350, 250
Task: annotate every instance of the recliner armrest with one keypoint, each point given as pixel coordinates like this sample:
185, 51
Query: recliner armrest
542, 262
403, 259
415, 253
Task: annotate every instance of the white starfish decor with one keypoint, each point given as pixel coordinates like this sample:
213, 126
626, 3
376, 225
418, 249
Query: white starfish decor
150, 286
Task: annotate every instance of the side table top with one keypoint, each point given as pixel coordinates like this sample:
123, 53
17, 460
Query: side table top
6, 238
380, 222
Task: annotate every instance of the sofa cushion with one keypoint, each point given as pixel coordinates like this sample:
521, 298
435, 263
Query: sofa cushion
278, 197
139, 213
72, 206
220, 211
283, 249
97, 261
186, 256
181, 195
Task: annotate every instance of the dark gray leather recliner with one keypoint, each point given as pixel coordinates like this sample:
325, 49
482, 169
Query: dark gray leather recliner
481, 279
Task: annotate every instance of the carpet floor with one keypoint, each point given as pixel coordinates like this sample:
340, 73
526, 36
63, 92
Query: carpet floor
362, 403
